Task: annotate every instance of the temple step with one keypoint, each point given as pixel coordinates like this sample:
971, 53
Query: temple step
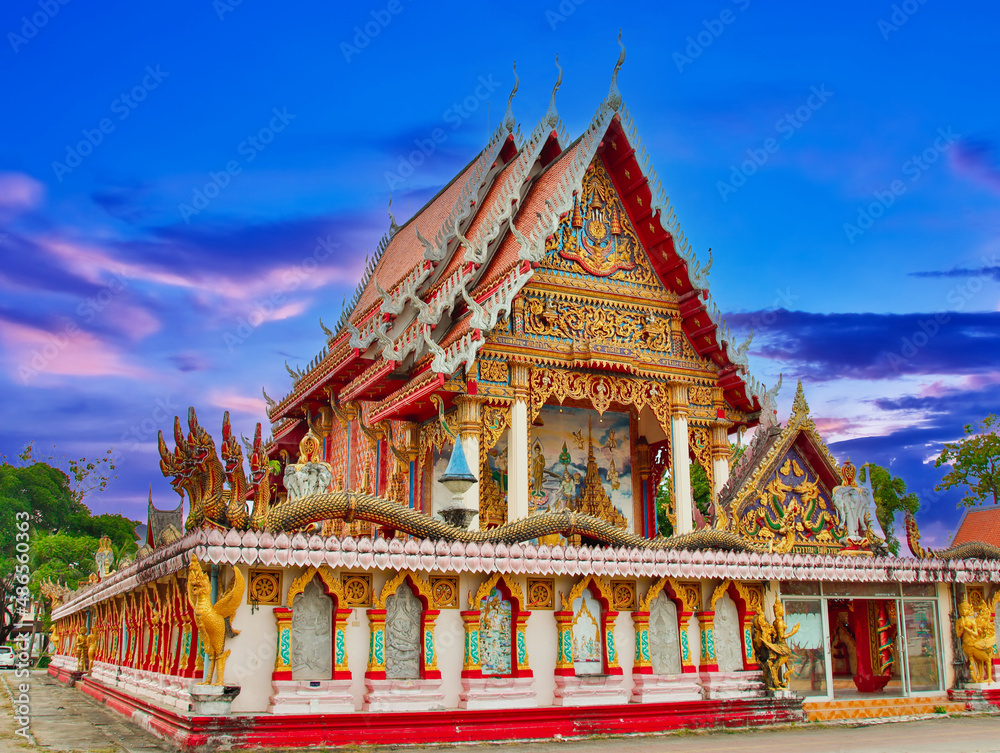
875, 708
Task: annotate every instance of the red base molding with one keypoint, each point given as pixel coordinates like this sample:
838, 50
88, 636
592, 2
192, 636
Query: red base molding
64, 675
460, 725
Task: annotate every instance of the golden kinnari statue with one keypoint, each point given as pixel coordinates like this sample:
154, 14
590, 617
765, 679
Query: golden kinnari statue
770, 643
978, 635
213, 620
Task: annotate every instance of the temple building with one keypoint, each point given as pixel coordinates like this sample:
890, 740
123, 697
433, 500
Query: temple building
456, 511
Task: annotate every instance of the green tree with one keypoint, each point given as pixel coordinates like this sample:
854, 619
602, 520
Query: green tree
63, 532
891, 498
975, 463
701, 491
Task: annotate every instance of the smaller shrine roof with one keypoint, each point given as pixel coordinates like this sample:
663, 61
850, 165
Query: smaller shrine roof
979, 525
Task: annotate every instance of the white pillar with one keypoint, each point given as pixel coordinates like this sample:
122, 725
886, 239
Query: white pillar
720, 456
517, 446
517, 459
470, 414
681, 462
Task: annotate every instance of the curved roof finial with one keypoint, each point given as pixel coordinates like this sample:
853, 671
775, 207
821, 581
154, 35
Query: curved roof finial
508, 121
615, 96
552, 116
393, 227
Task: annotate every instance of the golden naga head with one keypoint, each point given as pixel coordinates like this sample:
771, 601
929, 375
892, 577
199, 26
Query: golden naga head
848, 472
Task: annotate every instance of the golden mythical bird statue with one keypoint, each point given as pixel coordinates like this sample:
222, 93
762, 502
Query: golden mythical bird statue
213, 620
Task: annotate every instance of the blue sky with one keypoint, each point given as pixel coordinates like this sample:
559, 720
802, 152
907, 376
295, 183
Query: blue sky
124, 297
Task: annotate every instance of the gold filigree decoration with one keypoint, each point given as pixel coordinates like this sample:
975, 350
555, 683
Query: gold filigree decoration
687, 594
329, 578
445, 590
701, 446
264, 587
699, 394
417, 581
492, 582
492, 500
357, 590
548, 316
493, 371
597, 235
602, 587
541, 593
623, 595
600, 390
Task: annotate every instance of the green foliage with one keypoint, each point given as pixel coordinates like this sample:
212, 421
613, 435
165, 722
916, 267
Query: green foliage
63, 534
975, 463
891, 498
63, 557
701, 491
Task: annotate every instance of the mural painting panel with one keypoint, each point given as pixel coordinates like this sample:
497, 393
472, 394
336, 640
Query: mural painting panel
578, 460
495, 634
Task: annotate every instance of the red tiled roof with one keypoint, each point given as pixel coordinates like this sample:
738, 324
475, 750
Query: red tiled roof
979, 525
404, 251
506, 256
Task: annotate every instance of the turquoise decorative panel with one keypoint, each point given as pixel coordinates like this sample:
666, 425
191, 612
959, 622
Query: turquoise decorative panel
285, 647
428, 647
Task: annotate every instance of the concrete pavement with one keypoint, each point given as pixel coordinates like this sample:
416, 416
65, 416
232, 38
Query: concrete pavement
64, 719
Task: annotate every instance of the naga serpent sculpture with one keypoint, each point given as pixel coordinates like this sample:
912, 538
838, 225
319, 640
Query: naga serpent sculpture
352, 506
968, 550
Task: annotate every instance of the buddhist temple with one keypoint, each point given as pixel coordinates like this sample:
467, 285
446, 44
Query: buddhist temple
456, 510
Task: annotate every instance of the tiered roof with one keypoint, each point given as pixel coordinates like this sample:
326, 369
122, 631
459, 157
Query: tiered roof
438, 284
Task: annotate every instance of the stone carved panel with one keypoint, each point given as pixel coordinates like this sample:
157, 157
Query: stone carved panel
312, 634
728, 645
494, 635
664, 637
402, 634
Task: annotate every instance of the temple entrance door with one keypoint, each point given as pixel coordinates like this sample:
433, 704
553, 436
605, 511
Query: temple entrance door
865, 647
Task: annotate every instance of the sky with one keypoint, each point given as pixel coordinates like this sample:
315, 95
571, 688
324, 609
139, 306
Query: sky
186, 188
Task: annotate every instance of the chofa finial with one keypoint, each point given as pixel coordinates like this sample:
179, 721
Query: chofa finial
508, 121
552, 116
393, 227
615, 96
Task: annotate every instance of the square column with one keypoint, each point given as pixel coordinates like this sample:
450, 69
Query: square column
680, 459
470, 419
517, 444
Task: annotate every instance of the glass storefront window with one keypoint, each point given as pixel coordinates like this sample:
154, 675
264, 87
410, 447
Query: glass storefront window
920, 620
807, 666
920, 589
862, 590
799, 588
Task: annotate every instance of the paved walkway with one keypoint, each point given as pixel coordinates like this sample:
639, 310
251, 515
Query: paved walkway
64, 719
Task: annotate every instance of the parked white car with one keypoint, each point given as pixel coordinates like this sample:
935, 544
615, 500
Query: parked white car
6, 657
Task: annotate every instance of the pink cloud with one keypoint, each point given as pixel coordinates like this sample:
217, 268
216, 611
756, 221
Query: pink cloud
19, 193
233, 401
830, 427
33, 352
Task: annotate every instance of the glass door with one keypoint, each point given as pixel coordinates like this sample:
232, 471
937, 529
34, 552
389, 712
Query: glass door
921, 645
808, 673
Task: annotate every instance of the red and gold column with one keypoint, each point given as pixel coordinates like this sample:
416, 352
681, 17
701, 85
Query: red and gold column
610, 647
749, 658
471, 666
706, 621
564, 656
523, 668
341, 671
427, 620
376, 644
283, 654
643, 663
